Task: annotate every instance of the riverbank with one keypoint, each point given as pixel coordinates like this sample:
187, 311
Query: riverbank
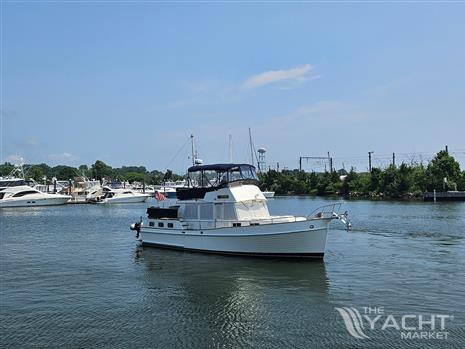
358, 196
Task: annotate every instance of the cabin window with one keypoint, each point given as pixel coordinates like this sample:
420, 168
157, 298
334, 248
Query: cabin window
151, 224
170, 225
23, 193
190, 212
222, 196
235, 174
206, 211
161, 225
219, 211
237, 224
2, 195
229, 212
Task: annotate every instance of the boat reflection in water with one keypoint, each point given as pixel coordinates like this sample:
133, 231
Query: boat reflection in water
227, 301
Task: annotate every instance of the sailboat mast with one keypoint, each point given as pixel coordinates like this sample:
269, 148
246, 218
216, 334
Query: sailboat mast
193, 150
251, 146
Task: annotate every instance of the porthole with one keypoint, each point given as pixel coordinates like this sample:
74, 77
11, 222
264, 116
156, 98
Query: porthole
312, 226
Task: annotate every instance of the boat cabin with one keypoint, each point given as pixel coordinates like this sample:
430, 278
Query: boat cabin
202, 179
221, 195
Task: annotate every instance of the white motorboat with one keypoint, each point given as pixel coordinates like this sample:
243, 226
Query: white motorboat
268, 194
230, 215
117, 196
26, 196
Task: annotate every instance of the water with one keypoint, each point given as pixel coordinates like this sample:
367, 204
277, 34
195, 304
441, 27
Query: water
75, 277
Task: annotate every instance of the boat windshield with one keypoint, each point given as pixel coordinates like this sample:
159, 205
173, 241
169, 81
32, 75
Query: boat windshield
214, 177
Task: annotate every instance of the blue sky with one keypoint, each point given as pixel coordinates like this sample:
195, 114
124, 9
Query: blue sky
128, 83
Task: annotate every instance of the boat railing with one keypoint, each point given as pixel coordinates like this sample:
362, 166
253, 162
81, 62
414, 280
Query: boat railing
326, 211
220, 223
331, 211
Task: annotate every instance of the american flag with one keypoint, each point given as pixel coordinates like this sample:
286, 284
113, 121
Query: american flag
159, 196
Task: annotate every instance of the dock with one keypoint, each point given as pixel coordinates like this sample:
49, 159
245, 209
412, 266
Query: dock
445, 196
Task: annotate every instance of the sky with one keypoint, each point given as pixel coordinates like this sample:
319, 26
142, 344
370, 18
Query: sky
129, 82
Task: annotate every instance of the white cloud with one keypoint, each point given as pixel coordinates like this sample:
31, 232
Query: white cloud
297, 74
15, 159
65, 157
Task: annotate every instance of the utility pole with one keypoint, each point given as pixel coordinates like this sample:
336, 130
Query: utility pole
393, 159
369, 160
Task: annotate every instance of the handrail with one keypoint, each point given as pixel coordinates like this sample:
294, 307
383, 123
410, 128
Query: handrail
325, 209
331, 211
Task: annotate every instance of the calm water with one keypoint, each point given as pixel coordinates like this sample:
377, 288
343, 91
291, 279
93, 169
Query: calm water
75, 277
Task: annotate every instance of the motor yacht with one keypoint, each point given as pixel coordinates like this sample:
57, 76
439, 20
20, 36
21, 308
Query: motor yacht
25, 196
116, 196
224, 211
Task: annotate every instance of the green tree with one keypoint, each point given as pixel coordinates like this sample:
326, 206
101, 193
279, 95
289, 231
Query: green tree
442, 166
101, 170
83, 170
62, 172
6, 168
135, 177
36, 173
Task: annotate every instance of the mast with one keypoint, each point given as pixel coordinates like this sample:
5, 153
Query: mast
193, 150
251, 146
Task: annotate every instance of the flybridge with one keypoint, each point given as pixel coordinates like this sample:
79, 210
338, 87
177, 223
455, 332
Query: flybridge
216, 175
206, 178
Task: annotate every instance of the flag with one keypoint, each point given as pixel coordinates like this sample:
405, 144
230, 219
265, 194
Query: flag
159, 196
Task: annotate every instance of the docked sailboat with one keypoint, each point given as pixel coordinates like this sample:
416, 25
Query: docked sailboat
224, 211
26, 196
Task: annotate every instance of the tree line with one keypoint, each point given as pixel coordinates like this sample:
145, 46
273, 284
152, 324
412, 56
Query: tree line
99, 171
407, 180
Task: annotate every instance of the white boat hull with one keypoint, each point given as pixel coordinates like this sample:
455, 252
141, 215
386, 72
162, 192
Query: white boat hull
125, 199
294, 239
31, 202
